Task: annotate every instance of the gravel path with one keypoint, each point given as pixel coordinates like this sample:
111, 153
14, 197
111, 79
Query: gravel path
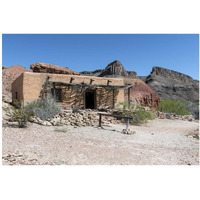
160, 142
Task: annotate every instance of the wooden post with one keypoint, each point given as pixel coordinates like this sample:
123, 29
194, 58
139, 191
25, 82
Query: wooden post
127, 124
113, 98
99, 120
129, 99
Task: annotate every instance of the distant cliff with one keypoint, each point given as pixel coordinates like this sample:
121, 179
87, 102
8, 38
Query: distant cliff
170, 84
91, 73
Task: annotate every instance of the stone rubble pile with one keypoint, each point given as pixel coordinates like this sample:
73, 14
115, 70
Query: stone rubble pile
15, 158
128, 132
173, 116
81, 118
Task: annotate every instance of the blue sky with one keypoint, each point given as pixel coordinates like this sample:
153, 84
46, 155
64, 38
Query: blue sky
87, 52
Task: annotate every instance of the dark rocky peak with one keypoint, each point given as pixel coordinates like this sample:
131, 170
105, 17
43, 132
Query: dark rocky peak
160, 71
169, 84
114, 69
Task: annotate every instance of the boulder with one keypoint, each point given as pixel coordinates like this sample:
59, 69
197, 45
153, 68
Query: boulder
49, 68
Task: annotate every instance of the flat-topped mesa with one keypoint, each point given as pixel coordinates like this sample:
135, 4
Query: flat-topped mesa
174, 85
114, 69
159, 71
49, 68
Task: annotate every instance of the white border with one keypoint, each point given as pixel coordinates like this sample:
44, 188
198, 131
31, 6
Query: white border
100, 182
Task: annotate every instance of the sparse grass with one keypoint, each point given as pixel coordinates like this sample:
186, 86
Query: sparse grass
139, 114
62, 130
171, 106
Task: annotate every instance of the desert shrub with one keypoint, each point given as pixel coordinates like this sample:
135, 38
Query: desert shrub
19, 113
171, 106
75, 109
139, 114
45, 108
124, 105
193, 108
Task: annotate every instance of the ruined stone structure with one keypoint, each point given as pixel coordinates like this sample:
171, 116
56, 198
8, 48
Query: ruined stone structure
70, 90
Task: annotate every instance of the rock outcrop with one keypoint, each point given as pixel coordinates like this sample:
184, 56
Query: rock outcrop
9, 74
49, 68
91, 73
116, 69
113, 70
170, 84
132, 74
142, 94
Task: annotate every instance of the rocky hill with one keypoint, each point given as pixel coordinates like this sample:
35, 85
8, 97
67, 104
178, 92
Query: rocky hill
142, 94
170, 84
9, 74
114, 70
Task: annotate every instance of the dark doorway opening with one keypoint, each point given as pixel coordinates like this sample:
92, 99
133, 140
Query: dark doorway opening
90, 99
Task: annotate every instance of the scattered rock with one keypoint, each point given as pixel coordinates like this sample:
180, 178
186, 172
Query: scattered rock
174, 116
129, 132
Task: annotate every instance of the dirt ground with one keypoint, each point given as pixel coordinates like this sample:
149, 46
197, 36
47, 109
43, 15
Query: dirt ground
160, 142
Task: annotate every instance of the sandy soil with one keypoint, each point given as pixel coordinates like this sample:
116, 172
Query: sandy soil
160, 142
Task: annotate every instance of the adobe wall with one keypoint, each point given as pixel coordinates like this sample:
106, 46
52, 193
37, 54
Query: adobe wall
17, 86
32, 86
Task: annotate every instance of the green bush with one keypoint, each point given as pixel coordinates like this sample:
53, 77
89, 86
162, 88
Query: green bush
19, 113
139, 114
75, 110
193, 108
171, 106
45, 108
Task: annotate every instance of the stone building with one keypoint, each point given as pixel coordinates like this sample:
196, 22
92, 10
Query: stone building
70, 90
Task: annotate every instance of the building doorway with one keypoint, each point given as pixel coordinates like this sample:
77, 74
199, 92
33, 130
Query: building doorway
90, 99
